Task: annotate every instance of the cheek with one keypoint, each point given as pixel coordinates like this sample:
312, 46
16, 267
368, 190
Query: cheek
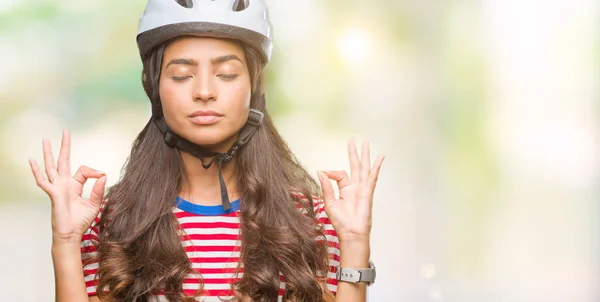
169, 97
240, 104
244, 94
240, 97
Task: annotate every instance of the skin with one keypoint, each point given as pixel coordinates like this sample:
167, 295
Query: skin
197, 80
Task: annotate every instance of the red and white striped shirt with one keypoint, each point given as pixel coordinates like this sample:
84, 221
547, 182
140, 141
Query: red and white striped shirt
213, 247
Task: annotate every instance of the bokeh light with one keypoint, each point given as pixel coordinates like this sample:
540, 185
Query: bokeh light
354, 46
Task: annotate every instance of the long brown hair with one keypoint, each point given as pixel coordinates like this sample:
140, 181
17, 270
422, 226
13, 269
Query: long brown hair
140, 251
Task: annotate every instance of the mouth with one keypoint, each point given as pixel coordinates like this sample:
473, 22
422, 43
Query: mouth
205, 113
205, 117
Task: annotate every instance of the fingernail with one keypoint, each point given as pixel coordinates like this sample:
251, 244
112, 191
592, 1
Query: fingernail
326, 171
101, 172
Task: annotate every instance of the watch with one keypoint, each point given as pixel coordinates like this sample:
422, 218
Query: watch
356, 275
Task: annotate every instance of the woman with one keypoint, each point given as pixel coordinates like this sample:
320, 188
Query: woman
212, 204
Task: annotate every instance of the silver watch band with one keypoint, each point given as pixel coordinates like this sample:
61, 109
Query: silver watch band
356, 275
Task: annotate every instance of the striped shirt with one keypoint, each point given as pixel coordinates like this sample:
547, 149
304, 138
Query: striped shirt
213, 246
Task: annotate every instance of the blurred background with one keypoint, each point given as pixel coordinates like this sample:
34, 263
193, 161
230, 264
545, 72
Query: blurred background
488, 113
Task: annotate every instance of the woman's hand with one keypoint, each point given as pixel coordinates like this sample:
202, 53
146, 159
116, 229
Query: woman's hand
350, 214
71, 214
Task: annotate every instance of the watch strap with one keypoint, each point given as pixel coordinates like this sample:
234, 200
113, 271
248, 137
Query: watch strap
357, 275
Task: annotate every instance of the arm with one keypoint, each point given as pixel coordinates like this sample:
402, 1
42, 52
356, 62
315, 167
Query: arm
68, 274
71, 216
353, 254
350, 215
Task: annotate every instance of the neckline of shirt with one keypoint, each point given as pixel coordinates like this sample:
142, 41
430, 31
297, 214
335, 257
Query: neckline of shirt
193, 208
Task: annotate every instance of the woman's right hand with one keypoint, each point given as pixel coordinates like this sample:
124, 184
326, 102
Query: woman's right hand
71, 213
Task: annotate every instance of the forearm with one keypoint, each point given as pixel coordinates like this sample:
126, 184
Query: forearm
353, 254
68, 273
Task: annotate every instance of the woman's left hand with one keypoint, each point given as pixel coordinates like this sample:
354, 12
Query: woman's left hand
350, 214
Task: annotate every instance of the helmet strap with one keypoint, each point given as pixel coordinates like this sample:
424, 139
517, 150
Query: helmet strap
255, 119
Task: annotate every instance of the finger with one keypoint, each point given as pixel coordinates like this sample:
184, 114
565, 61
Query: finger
375, 172
354, 161
39, 177
341, 177
365, 162
98, 191
49, 160
328, 193
64, 157
85, 172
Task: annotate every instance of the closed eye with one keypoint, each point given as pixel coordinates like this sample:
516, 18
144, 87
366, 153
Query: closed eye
228, 76
180, 79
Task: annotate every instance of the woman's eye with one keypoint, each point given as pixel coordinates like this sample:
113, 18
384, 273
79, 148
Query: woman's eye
228, 76
180, 79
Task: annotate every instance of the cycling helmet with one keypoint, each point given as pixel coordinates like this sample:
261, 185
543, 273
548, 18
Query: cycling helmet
243, 20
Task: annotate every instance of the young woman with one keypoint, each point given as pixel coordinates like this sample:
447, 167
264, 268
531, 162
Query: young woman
212, 205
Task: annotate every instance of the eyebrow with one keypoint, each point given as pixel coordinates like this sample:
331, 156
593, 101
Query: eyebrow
214, 61
225, 58
183, 62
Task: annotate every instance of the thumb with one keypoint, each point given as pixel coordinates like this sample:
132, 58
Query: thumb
98, 191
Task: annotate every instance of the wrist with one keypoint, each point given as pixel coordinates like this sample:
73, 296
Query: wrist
65, 241
355, 254
354, 238
358, 243
65, 252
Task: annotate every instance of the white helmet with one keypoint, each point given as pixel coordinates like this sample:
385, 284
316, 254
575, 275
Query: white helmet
244, 20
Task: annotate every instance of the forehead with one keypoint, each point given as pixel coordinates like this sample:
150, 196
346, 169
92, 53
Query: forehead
202, 48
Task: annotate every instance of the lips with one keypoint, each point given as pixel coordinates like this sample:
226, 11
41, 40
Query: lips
205, 113
205, 117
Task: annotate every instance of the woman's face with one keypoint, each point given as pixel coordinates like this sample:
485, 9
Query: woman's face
205, 90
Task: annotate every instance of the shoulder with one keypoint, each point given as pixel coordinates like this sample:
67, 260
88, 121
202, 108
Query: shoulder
330, 238
304, 202
315, 203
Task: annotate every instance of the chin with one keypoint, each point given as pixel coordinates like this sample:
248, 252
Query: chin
216, 140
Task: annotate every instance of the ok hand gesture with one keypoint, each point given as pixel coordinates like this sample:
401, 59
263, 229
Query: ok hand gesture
71, 213
350, 214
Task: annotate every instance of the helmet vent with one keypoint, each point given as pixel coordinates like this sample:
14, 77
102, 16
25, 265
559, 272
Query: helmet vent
185, 3
240, 5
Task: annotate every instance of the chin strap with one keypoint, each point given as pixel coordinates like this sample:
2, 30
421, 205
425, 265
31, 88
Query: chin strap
173, 140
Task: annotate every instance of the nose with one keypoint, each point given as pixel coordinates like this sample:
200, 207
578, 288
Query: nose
205, 89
